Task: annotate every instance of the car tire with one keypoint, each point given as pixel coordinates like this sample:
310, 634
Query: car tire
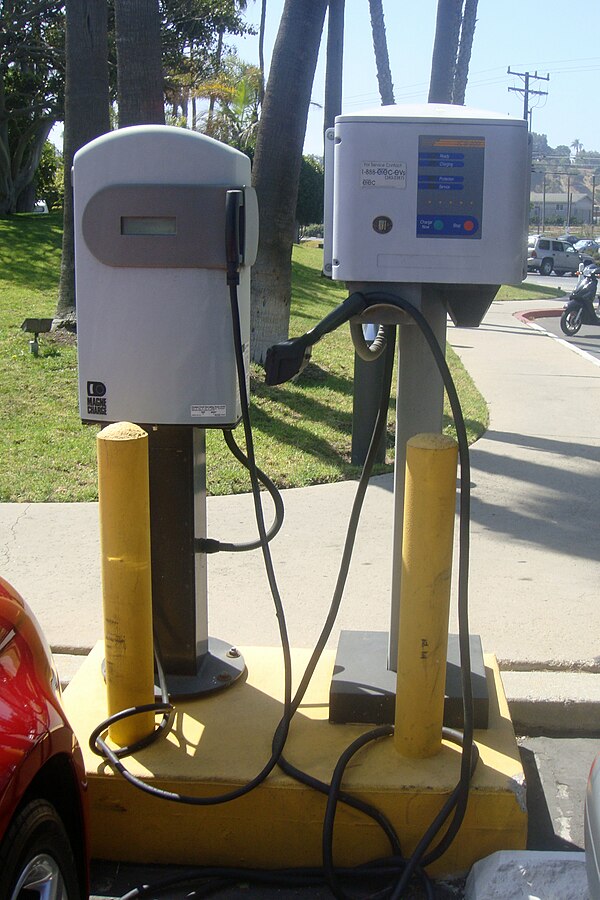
546, 267
36, 858
559, 271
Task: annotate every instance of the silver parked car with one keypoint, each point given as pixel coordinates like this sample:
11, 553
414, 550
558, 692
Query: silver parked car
545, 254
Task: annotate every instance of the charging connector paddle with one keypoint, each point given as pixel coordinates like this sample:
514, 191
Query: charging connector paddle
286, 359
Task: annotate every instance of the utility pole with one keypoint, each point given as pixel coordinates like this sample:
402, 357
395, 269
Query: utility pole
526, 90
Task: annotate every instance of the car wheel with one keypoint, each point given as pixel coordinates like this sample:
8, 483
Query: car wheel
559, 271
36, 859
546, 267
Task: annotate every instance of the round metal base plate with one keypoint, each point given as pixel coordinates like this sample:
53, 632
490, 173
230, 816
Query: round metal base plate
216, 670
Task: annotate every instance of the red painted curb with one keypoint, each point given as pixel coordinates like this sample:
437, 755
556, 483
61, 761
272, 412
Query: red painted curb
538, 314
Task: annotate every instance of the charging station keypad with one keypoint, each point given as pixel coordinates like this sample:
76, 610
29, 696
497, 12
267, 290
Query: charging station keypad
450, 186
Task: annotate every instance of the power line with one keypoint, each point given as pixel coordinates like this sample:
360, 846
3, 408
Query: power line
526, 90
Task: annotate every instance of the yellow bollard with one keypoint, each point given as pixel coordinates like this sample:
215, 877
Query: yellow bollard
429, 502
123, 491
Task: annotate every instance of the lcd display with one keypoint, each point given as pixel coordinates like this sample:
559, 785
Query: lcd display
148, 225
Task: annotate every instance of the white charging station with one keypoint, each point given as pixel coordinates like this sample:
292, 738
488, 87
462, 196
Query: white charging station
429, 193
429, 202
156, 346
154, 321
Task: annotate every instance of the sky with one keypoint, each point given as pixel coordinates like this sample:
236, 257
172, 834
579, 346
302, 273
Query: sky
546, 38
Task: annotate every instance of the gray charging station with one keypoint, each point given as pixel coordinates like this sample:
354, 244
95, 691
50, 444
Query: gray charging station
429, 202
155, 347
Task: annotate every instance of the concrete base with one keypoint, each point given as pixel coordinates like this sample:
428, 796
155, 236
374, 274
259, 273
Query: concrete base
221, 741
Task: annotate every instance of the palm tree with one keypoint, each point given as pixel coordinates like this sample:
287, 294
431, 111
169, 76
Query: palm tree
140, 82
445, 50
454, 32
576, 146
467, 31
384, 75
86, 117
277, 162
261, 48
234, 118
335, 59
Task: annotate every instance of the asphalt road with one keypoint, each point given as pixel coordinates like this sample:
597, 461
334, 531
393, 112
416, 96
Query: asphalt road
565, 282
588, 338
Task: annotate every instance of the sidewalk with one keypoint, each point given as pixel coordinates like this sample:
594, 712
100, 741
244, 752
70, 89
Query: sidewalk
535, 563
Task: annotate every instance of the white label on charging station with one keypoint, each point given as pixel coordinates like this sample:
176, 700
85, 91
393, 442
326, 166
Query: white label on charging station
383, 174
208, 411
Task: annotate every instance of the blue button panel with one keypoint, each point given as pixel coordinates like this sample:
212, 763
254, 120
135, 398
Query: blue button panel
447, 226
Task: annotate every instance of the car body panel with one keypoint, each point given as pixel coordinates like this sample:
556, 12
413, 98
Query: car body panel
586, 244
35, 736
592, 830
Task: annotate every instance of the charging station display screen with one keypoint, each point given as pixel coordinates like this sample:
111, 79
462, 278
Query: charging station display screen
450, 186
148, 225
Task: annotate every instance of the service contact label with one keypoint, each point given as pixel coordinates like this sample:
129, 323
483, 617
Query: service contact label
208, 411
383, 174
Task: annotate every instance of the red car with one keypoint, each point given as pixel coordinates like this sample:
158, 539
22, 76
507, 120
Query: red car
43, 811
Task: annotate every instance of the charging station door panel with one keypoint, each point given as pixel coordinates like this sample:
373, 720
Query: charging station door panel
155, 341
430, 194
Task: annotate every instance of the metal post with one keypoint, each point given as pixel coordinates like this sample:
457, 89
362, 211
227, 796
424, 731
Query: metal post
368, 381
194, 663
179, 581
419, 408
543, 205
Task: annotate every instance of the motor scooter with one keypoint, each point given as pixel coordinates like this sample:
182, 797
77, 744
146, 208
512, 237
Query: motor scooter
579, 309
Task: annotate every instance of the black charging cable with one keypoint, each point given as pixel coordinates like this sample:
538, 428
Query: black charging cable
210, 545
457, 800
97, 742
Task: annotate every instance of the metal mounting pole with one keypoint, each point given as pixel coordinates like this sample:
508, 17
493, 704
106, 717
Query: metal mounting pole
419, 408
194, 663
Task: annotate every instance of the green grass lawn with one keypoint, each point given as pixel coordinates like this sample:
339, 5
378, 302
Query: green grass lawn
531, 291
302, 429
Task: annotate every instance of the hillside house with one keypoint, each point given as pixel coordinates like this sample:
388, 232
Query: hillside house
554, 207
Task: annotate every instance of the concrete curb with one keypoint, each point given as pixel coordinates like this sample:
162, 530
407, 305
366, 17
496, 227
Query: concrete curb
533, 314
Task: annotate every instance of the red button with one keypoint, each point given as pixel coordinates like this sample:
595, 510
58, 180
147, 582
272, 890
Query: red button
469, 225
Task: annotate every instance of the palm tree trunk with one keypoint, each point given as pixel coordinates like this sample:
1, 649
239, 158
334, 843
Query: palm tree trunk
445, 50
86, 117
467, 30
261, 51
212, 100
277, 162
384, 75
140, 82
335, 60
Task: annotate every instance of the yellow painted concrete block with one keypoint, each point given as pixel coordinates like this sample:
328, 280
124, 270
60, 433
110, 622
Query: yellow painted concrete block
222, 741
